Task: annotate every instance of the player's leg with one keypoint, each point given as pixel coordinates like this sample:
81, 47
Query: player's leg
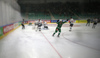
86, 24
39, 28
93, 25
71, 25
55, 32
59, 32
89, 24
23, 26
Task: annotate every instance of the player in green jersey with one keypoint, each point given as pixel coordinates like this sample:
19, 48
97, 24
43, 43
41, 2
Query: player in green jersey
58, 28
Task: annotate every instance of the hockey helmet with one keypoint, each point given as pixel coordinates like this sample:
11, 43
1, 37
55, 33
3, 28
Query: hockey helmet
60, 20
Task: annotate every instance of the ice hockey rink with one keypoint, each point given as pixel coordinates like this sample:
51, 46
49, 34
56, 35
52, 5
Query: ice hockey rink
81, 42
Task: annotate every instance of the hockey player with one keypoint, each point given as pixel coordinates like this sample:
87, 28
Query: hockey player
88, 22
71, 21
23, 27
39, 24
95, 21
58, 28
45, 25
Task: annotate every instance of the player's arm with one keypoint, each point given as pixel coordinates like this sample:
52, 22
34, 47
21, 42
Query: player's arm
65, 21
57, 21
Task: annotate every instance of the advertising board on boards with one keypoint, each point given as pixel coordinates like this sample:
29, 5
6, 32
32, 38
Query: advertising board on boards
8, 28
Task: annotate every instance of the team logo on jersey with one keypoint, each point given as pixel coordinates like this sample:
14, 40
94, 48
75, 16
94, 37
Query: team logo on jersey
60, 23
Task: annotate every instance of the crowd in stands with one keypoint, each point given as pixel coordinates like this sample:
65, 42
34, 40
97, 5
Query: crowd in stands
66, 9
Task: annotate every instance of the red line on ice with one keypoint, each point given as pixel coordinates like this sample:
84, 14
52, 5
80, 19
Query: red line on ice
52, 45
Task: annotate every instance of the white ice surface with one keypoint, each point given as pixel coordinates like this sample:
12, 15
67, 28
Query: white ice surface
81, 42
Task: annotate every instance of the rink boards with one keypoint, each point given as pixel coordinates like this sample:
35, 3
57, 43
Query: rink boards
54, 21
5, 30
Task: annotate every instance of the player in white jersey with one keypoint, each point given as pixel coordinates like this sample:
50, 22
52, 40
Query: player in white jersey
71, 21
39, 24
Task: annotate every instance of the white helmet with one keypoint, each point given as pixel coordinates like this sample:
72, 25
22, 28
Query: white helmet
60, 20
